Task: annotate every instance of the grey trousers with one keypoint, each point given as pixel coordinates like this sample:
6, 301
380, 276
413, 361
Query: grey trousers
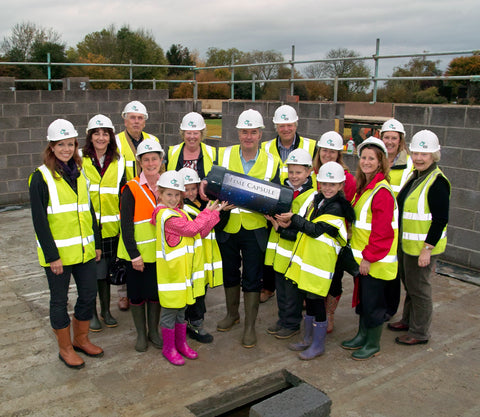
418, 305
170, 316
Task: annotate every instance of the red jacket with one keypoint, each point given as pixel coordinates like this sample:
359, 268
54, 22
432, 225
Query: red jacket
381, 235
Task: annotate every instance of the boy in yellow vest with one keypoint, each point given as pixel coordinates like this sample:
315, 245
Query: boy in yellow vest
281, 242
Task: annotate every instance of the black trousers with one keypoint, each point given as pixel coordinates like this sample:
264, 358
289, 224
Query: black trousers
373, 306
242, 251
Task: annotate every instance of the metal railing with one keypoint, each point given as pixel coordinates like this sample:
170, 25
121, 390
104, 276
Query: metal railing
376, 58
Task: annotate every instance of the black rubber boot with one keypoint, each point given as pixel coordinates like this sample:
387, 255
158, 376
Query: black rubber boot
138, 314
153, 318
104, 296
95, 325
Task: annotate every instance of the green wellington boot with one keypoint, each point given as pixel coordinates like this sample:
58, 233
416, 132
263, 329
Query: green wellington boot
359, 340
138, 314
153, 318
251, 302
371, 347
232, 299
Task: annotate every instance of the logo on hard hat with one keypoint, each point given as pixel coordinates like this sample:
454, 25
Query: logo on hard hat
64, 132
175, 183
99, 123
188, 178
391, 126
134, 108
191, 123
148, 147
293, 158
423, 145
330, 142
247, 123
330, 175
284, 117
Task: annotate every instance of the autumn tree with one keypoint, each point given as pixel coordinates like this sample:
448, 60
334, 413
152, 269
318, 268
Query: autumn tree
342, 68
467, 91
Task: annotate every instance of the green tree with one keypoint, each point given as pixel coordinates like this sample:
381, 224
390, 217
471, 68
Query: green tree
31, 43
178, 55
342, 68
121, 47
217, 56
466, 91
407, 91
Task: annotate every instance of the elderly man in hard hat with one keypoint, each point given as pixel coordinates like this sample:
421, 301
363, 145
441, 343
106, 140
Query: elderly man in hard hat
134, 115
285, 120
245, 235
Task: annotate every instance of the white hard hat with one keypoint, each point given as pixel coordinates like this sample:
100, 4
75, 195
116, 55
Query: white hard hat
285, 114
190, 176
100, 122
331, 172
299, 156
250, 119
372, 141
192, 121
147, 146
331, 140
135, 107
424, 141
173, 180
60, 129
392, 125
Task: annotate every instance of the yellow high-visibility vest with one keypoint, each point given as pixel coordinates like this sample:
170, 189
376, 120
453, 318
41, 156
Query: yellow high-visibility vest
417, 218
69, 219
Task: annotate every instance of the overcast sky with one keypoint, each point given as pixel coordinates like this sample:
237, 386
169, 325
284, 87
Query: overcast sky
313, 26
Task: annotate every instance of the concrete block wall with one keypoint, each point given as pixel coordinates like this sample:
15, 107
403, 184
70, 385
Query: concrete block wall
314, 118
458, 129
25, 116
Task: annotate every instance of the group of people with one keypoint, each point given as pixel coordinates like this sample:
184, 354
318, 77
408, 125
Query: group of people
123, 197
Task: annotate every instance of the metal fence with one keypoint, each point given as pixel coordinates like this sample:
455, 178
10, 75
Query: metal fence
376, 58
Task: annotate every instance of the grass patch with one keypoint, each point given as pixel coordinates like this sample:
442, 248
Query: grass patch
214, 127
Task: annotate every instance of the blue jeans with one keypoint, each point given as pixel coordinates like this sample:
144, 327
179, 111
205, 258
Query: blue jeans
86, 281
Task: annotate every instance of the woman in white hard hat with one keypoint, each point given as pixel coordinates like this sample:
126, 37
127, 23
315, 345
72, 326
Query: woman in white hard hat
193, 153
393, 136
68, 239
423, 205
374, 246
330, 146
105, 170
137, 244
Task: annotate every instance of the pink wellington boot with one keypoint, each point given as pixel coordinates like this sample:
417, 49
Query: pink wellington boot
181, 341
169, 350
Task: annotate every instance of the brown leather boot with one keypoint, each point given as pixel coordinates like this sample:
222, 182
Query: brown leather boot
80, 339
67, 355
331, 305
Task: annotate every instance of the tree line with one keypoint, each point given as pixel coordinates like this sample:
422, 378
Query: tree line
29, 42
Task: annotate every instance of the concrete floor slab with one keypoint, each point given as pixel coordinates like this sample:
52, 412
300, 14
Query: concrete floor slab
437, 379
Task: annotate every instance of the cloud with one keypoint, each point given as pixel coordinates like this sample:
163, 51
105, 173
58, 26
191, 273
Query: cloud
313, 26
